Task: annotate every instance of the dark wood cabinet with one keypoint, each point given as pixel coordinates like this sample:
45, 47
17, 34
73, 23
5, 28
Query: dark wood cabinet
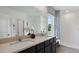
54, 48
51, 40
48, 49
53, 44
41, 51
47, 43
48, 46
39, 47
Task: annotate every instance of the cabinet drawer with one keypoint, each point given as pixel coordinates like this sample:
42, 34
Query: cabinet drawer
40, 46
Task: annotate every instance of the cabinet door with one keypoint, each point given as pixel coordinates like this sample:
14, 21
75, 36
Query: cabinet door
48, 49
54, 45
39, 46
54, 48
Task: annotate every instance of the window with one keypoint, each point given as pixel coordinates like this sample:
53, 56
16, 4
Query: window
50, 25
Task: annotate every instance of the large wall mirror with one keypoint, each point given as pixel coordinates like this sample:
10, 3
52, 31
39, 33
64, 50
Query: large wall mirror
19, 21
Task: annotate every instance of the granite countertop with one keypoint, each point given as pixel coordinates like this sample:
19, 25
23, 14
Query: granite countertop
14, 47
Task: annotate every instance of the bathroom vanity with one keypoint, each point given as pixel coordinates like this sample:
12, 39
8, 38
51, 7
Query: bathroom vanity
40, 44
47, 46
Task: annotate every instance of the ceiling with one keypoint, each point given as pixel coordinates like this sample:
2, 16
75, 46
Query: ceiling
30, 10
63, 8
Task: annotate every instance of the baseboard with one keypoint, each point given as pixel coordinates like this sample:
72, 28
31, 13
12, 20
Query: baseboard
68, 44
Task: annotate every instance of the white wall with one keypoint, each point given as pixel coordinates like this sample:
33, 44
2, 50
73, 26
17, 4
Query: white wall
69, 26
